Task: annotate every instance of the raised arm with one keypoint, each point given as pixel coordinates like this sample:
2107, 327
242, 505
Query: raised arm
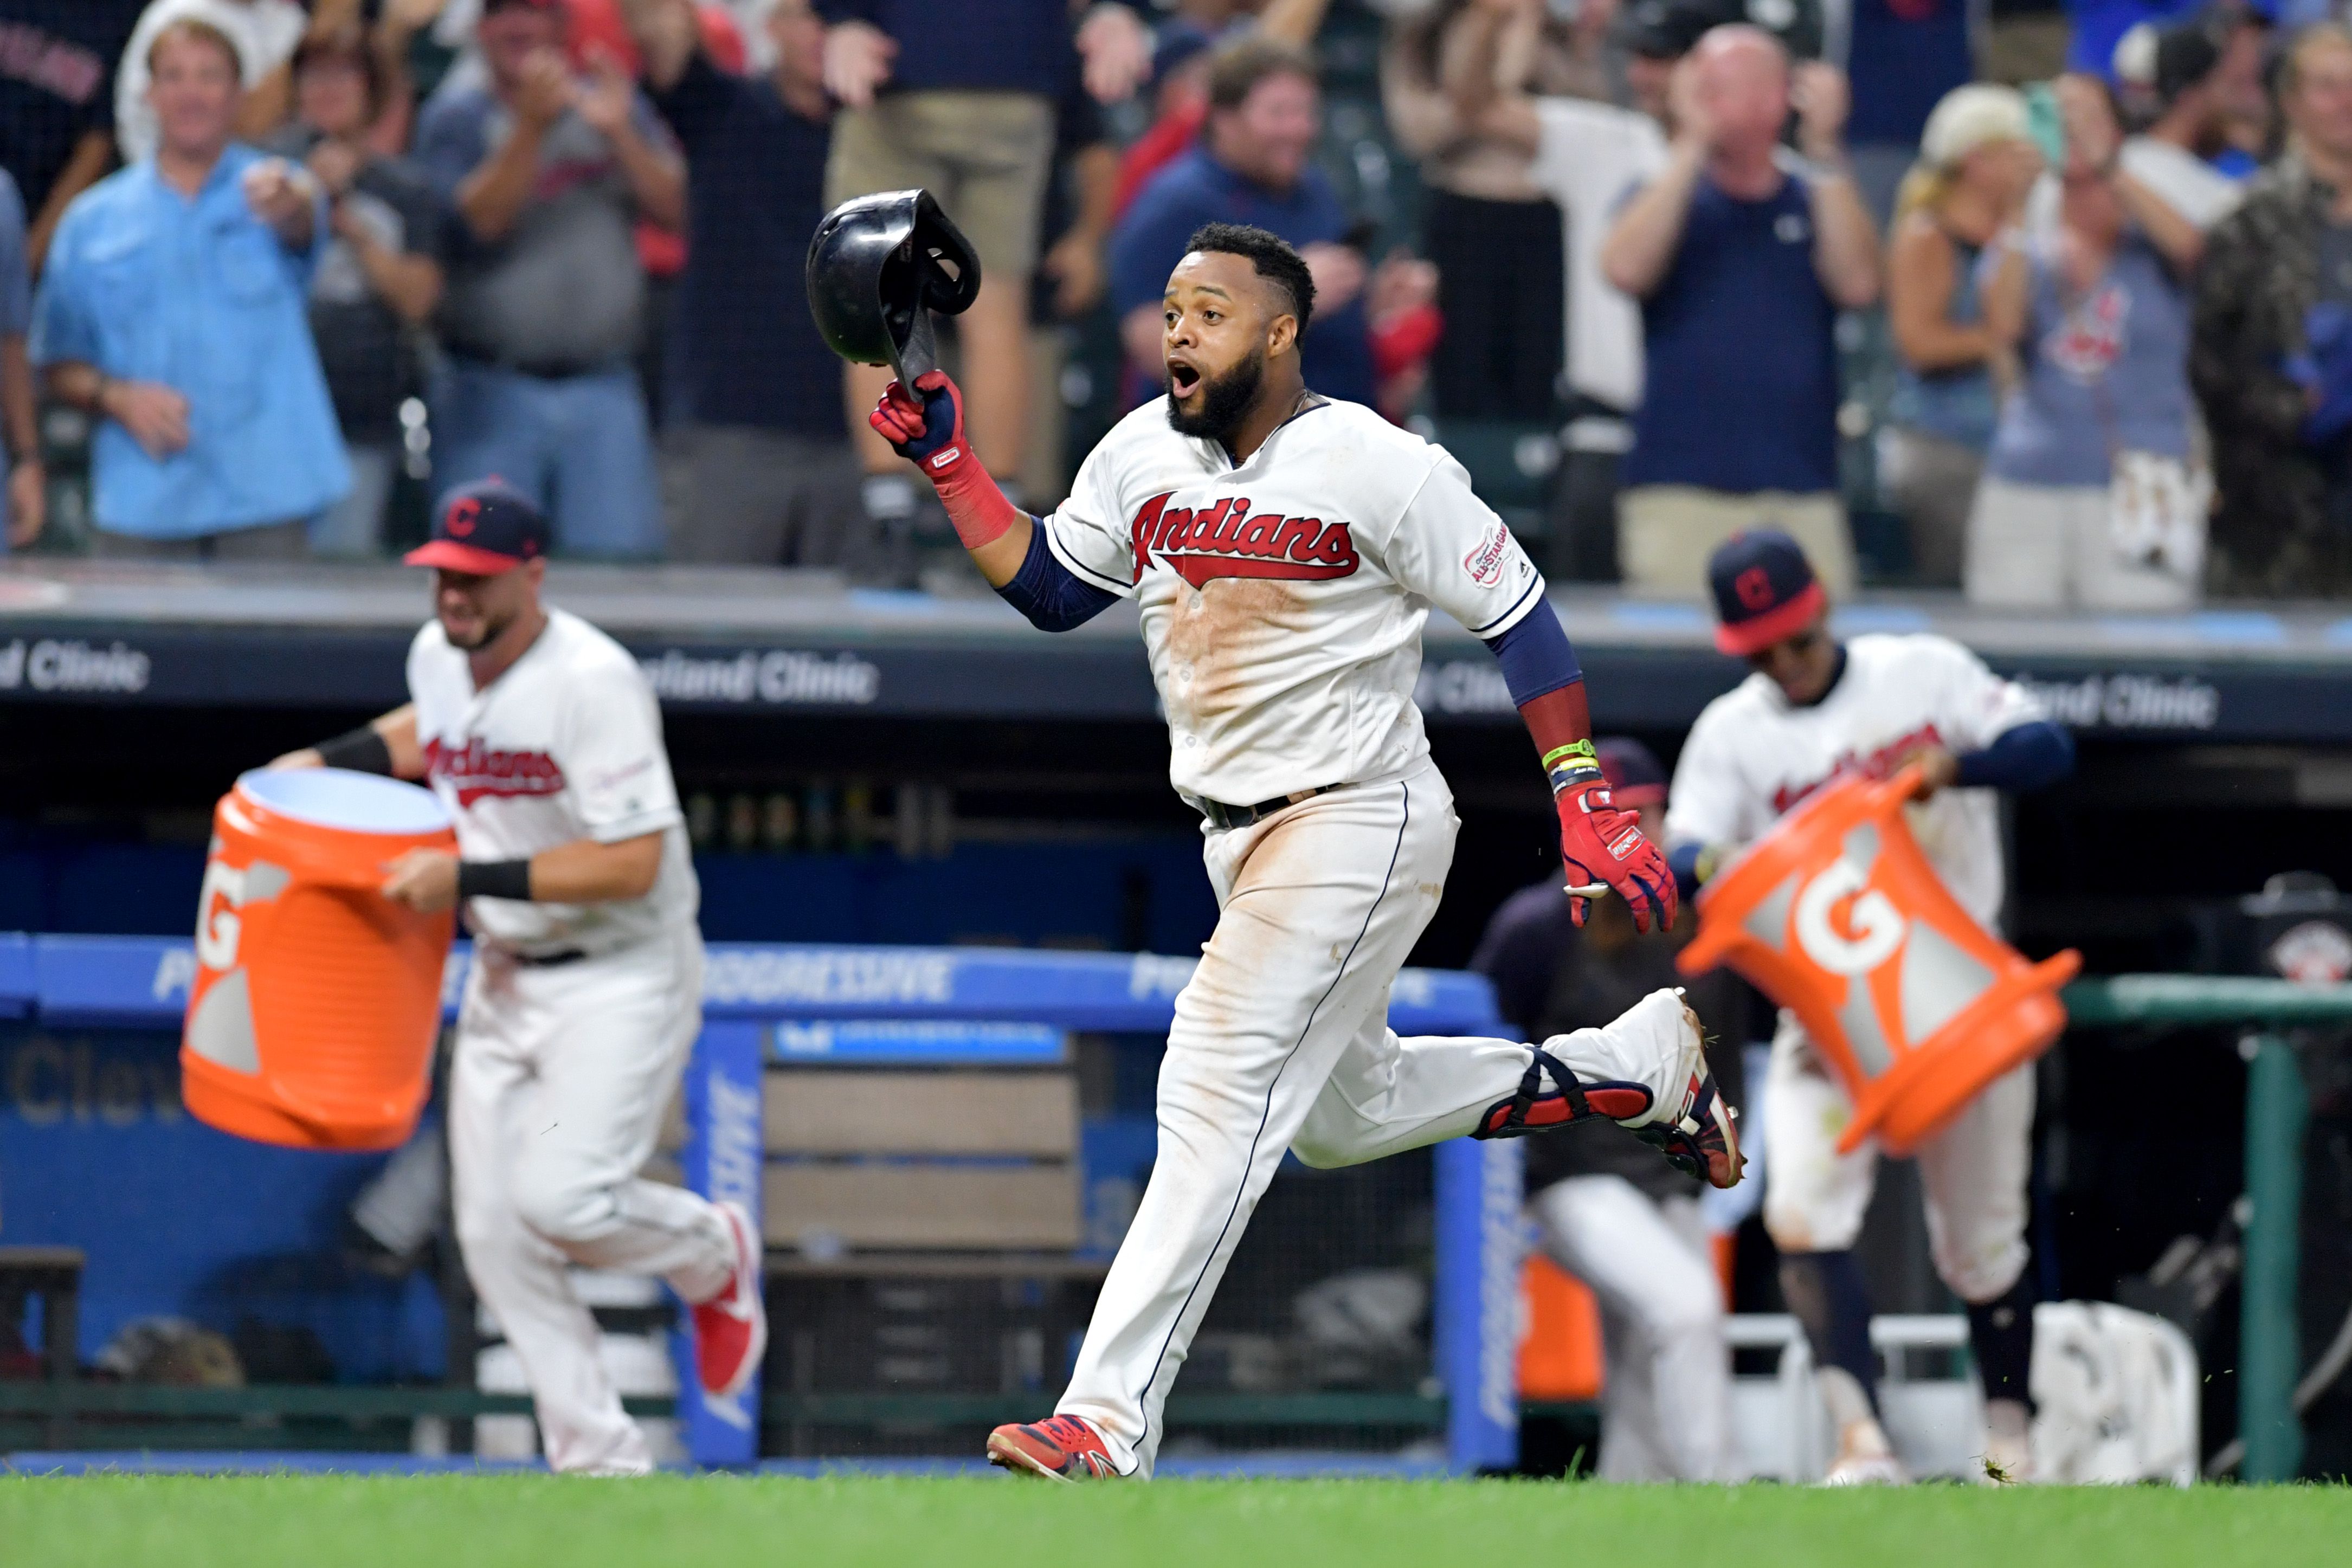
656, 174
1642, 244
493, 195
1845, 238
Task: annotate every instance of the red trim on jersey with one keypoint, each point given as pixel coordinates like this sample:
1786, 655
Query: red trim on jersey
1752, 635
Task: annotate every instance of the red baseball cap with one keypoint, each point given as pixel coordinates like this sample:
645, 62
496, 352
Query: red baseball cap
484, 529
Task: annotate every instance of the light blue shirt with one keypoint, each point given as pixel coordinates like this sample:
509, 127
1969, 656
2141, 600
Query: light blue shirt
201, 295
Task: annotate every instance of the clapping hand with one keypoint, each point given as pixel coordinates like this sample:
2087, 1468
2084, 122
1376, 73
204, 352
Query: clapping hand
1116, 50
608, 98
857, 60
546, 89
1822, 99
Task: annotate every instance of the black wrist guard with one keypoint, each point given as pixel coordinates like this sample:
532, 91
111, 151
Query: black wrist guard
494, 879
362, 751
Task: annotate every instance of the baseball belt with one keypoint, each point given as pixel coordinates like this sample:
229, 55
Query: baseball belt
1228, 817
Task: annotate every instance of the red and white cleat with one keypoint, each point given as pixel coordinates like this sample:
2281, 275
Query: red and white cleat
1701, 1135
731, 1328
1059, 1448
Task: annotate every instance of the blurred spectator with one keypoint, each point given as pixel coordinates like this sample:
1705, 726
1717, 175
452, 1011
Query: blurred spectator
2091, 495
546, 292
2273, 351
1587, 157
1251, 167
964, 109
1606, 1209
1741, 265
1072, 280
2098, 26
1178, 91
2249, 117
1903, 57
23, 504
378, 277
597, 30
265, 33
174, 307
1977, 166
1404, 327
1179, 84
770, 476
1493, 233
57, 101
2188, 125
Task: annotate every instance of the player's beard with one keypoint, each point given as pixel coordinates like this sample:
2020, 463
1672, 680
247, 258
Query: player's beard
1226, 400
492, 627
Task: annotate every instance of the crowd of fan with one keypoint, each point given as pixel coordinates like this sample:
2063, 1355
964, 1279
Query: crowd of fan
559, 241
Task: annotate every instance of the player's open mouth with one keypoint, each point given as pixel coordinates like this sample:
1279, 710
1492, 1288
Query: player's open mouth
1182, 378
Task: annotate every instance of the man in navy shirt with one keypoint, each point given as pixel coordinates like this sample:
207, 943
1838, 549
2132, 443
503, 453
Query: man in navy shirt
770, 476
1251, 167
1742, 259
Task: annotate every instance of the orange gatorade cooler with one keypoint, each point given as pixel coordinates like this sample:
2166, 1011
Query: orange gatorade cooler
316, 1001
1837, 915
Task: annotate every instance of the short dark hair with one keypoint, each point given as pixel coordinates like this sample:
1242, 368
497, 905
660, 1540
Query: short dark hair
1269, 254
1235, 69
349, 44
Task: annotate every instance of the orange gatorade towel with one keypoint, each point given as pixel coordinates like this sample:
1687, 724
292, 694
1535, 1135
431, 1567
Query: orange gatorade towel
317, 999
1837, 915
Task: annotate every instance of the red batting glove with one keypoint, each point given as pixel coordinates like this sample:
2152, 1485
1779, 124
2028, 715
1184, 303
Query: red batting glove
927, 429
925, 426
1601, 843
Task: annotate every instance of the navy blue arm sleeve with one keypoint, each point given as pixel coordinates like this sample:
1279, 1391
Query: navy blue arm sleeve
1536, 656
1047, 592
2025, 756
1683, 860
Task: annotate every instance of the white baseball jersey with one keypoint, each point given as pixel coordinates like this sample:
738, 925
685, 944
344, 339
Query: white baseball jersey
1752, 757
566, 745
1283, 599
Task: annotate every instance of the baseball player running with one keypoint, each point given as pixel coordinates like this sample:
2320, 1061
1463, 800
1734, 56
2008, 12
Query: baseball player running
1816, 708
542, 737
1284, 550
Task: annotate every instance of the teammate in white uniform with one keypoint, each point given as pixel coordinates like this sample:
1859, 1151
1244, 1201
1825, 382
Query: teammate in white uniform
1286, 551
542, 738
1813, 710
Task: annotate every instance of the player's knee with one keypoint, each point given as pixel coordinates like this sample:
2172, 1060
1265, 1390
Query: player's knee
1682, 1316
562, 1206
1983, 1273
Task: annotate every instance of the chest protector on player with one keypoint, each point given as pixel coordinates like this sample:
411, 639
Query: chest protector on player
311, 1020
1837, 915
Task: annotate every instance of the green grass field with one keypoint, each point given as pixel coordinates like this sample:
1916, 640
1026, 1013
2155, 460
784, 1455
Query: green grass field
445, 1520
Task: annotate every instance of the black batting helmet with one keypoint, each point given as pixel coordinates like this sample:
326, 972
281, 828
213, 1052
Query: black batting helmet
877, 268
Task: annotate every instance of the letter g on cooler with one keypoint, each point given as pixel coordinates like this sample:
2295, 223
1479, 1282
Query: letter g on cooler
1877, 928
